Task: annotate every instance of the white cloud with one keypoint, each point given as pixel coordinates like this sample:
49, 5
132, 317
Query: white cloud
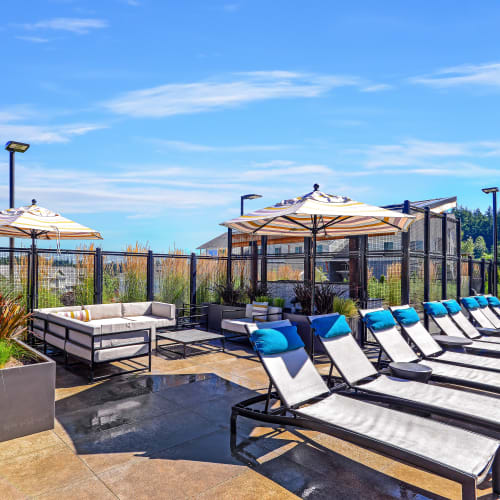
34, 39
377, 88
186, 98
44, 134
202, 148
80, 26
479, 74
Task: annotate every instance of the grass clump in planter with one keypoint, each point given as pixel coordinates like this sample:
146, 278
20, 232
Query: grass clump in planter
13, 325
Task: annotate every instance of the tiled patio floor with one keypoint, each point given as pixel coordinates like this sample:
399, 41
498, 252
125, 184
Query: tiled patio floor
166, 435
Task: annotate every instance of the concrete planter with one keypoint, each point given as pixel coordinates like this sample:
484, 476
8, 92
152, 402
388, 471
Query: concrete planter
27, 397
215, 315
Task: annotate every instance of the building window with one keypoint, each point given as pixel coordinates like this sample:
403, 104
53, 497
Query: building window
298, 249
320, 248
388, 245
277, 250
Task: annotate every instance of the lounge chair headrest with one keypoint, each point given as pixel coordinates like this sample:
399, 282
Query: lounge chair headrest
379, 320
452, 306
407, 316
470, 303
482, 301
435, 309
493, 301
330, 326
276, 340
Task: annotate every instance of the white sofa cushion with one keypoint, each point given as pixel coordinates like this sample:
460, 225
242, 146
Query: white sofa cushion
157, 321
115, 340
107, 354
42, 313
136, 308
103, 311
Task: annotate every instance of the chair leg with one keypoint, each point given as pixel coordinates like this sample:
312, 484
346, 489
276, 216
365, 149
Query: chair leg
233, 429
495, 472
329, 375
469, 490
268, 399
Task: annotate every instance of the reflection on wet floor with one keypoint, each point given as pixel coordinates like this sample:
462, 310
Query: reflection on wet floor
166, 435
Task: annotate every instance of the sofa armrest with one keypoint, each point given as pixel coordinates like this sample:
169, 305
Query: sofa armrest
163, 309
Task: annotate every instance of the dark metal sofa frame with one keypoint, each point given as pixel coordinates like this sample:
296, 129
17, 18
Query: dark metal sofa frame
278, 416
137, 366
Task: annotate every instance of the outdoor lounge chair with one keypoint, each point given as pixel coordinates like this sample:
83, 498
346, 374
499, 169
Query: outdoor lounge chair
430, 349
473, 332
481, 313
439, 313
362, 377
398, 350
307, 403
494, 304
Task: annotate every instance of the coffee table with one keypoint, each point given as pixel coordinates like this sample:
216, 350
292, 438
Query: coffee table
451, 342
411, 371
185, 338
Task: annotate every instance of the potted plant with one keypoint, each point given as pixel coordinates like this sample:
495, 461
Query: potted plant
27, 392
228, 297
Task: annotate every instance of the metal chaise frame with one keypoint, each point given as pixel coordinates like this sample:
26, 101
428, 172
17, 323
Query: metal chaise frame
278, 416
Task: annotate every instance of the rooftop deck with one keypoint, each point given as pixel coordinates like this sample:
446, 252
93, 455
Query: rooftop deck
166, 435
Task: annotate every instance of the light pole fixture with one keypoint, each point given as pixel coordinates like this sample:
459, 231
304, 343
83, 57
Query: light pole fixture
247, 197
494, 191
13, 147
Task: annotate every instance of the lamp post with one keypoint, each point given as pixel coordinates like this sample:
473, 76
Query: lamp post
247, 197
494, 191
13, 147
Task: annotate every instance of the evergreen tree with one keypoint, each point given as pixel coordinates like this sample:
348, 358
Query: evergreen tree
468, 246
479, 248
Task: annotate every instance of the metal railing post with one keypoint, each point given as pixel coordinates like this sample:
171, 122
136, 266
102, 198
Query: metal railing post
192, 279
405, 261
254, 272
427, 260
229, 271
470, 270
444, 267
150, 277
459, 260
263, 261
98, 276
307, 260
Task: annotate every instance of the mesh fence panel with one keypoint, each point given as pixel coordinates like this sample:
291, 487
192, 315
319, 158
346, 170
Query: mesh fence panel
435, 283
285, 269
436, 230
65, 279
476, 276
124, 278
452, 237
241, 272
210, 273
451, 277
14, 273
171, 279
417, 234
417, 282
465, 279
384, 279
384, 243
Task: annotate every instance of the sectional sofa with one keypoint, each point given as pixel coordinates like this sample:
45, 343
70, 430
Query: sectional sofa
114, 332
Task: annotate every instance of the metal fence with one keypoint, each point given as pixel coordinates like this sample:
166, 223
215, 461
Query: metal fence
409, 268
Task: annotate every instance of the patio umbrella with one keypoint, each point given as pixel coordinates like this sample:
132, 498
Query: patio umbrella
40, 223
320, 213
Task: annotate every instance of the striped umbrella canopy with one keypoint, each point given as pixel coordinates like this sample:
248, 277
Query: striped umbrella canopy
320, 213
40, 223
324, 214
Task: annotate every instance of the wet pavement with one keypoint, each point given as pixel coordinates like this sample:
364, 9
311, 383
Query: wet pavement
166, 435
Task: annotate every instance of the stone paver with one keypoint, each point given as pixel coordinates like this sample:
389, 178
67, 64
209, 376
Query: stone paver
166, 435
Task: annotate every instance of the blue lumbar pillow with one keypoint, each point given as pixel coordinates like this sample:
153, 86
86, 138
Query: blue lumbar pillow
493, 301
482, 301
470, 303
407, 316
435, 309
331, 326
276, 340
379, 320
452, 306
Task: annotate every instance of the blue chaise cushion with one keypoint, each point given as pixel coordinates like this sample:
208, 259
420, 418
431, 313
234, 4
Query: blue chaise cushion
482, 301
493, 301
407, 316
379, 320
452, 306
470, 303
435, 309
331, 326
276, 340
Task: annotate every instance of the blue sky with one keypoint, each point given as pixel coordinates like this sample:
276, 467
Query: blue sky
148, 119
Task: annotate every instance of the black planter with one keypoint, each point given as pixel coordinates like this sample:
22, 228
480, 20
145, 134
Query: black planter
27, 397
215, 315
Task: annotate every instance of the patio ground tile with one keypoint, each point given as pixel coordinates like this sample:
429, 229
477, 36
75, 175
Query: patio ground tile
88, 489
44, 470
28, 444
9, 491
247, 486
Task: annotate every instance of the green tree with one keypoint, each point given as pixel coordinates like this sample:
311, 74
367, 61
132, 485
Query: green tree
480, 248
468, 246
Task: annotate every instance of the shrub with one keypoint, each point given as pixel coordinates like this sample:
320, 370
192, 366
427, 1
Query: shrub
345, 306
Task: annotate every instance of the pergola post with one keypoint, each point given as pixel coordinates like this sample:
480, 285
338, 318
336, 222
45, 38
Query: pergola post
98, 276
405, 261
444, 267
459, 259
229, 271
427, 260
263, 261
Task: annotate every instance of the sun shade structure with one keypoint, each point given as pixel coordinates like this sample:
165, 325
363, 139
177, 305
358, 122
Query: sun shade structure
318, 213
40, 223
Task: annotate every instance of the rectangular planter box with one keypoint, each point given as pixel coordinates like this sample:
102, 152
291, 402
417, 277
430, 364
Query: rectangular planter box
215, 315
27, 398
